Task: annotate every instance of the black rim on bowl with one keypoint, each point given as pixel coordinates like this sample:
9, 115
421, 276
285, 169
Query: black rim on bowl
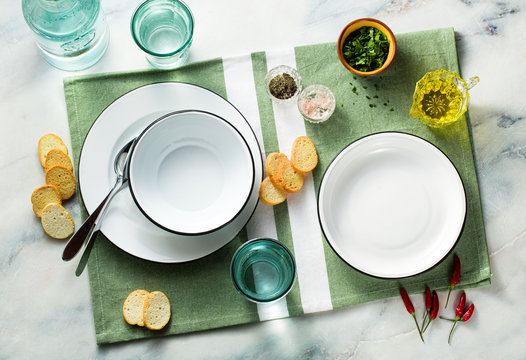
156, 223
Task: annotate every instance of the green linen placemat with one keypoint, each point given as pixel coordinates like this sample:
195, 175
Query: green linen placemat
201, 292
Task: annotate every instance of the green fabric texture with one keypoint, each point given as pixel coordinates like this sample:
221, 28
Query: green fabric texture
201, 292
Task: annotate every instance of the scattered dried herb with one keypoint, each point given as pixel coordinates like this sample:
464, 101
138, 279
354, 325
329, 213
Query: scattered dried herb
282, 86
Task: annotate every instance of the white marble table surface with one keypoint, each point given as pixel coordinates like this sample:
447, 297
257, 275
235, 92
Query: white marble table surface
45, 311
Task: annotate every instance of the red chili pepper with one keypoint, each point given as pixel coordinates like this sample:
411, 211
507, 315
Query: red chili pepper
460, 307
458, 314
410, 309
407, 302
455, 277
428, 302
468, 313
428, 299
434, 310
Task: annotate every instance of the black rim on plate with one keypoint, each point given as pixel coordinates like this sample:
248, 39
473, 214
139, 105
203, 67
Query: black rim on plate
137, 202
145, 86
364, 272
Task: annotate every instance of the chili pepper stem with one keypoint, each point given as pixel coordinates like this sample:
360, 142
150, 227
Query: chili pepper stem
425, 318
448, 294
429, 322
443, 318
417, 327
451, 332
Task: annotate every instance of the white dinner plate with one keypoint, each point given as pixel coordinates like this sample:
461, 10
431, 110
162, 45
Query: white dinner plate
391, 205
124, 224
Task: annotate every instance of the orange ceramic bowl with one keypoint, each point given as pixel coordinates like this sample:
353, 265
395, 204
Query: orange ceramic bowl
355, 25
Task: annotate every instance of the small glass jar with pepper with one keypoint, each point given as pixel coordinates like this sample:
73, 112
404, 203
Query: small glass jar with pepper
283, 84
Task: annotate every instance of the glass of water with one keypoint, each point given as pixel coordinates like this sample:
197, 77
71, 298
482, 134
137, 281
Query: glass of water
263, 270
163, 29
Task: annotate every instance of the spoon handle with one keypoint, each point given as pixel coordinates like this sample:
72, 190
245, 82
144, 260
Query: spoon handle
85, 255
90, 239
75, 243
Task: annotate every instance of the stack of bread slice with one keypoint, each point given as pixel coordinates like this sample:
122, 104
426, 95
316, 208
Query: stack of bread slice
286, 176
150, 309
60, 185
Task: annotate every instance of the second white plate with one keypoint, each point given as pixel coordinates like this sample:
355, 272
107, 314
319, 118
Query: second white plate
391, 205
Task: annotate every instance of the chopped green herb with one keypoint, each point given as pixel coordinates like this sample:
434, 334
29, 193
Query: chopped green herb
368, 97
354, 77
372, 105
341, 105
365, 87
376, 87
376, 96
385, 104
366, 49
391, 109
354, 90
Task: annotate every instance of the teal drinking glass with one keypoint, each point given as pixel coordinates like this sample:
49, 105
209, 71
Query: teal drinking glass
163, 29
72, 34
263, 270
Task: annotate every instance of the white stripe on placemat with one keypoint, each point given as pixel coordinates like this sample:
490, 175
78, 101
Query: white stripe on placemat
306, 232
241, 92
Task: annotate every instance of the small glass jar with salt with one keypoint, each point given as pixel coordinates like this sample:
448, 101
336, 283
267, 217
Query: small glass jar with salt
316, 103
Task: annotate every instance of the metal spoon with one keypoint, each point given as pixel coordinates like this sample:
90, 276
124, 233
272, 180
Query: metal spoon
86, 233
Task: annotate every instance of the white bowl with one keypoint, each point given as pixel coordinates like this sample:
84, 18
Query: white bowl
191, 172
391, 205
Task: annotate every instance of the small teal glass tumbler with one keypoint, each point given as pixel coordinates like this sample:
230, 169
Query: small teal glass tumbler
263, 270
163, 29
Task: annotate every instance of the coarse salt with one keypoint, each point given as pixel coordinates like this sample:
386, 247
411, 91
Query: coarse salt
314, 107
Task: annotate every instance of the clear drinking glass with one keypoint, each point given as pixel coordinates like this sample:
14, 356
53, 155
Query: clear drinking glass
163, 29
72, 34
263, 270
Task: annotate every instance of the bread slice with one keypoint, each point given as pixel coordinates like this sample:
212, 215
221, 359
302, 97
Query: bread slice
57, 222
289, 179
43, 196
133, 307
156, 312
58, 157
63, 179
272, 165
48, 142
304, 157
271, 195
